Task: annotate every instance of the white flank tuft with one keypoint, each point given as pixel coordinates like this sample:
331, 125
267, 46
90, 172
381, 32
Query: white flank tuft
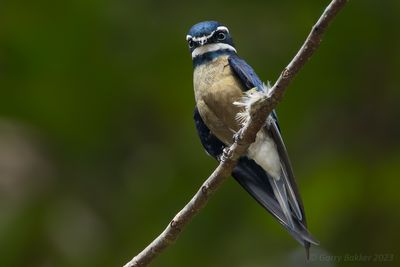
249, 102
264, 152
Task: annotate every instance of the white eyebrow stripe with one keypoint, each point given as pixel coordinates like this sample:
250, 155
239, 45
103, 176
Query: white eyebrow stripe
211, 48
223, 28
188, 37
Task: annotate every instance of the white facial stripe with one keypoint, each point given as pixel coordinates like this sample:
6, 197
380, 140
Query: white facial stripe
223, 28
211, 48
202, 40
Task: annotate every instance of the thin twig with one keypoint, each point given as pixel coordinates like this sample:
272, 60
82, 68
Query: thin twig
249, 131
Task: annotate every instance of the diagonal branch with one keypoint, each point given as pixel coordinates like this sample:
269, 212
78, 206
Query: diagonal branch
260, 111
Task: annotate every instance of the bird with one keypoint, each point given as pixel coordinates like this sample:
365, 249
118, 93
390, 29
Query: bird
224, 87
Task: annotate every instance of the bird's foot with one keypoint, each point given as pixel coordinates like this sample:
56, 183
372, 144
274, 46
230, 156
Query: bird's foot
226, 154
238, 136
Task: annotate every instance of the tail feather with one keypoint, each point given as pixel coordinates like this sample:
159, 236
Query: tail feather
258, 183
279, 188
292, 196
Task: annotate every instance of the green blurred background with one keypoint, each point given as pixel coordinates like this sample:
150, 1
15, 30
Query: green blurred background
98, 149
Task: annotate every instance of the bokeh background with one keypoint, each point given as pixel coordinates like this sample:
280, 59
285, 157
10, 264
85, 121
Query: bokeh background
98, 149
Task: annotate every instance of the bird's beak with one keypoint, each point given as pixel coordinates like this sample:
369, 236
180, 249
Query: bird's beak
203, 40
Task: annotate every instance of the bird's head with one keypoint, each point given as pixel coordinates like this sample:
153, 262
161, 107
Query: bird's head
209, 36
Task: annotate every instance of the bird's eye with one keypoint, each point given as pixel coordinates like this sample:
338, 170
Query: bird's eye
191, 43
221, 36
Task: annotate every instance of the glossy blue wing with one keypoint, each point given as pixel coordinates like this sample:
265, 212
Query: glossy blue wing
245, 73
248, 77
256, 182
210, 142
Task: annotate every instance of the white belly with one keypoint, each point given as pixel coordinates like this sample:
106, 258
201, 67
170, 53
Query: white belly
263, 151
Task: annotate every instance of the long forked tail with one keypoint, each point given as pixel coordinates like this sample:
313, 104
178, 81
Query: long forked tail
258, 183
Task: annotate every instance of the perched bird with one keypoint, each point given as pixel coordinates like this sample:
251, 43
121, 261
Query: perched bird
224, 85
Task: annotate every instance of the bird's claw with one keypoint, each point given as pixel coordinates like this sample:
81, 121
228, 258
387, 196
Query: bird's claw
238, 136
226, 154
